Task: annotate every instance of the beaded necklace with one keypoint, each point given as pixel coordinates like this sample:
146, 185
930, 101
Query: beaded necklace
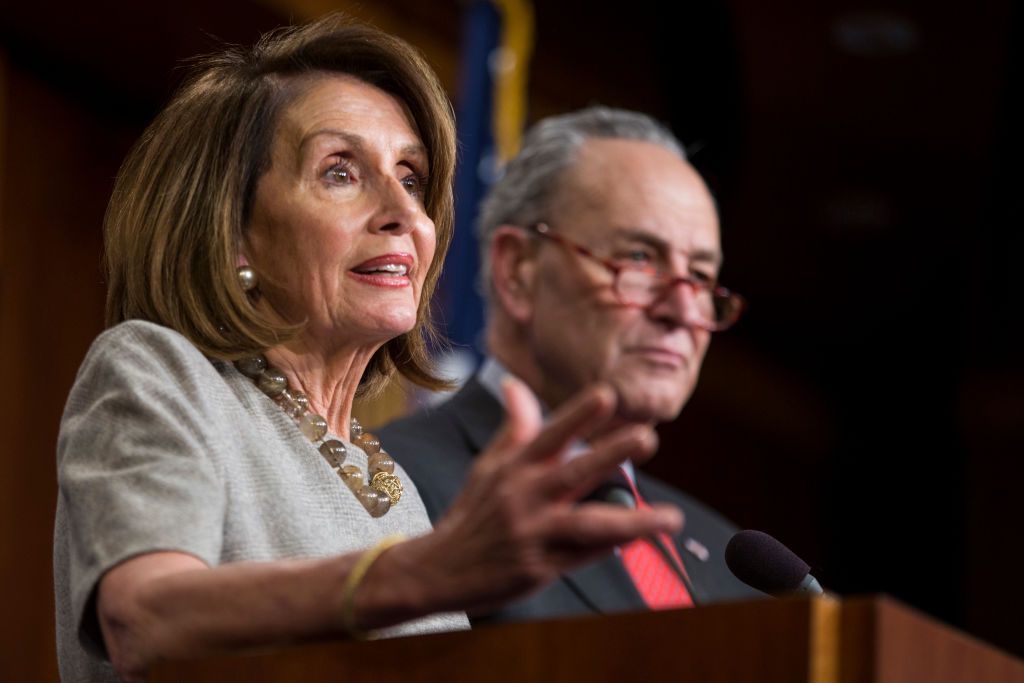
382, 489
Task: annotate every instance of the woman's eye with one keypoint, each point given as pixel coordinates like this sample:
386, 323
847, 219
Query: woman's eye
340, 174
415, 185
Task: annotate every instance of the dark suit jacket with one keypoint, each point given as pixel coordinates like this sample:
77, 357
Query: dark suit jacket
437, 446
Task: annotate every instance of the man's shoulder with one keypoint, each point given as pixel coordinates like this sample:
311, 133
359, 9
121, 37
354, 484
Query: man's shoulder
428, 434
451, 420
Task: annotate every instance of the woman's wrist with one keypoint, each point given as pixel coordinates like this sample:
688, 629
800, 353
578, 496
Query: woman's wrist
406, 582
354, 581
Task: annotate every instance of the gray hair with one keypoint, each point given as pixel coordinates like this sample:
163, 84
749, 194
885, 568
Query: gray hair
530, 181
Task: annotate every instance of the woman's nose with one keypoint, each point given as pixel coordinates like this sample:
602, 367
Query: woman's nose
398, 211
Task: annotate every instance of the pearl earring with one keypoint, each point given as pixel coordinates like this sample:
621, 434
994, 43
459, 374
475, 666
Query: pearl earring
247, 278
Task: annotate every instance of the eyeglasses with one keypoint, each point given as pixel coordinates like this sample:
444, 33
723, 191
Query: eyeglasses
715, 308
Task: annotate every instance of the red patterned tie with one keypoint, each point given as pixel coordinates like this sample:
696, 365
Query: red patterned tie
657, 583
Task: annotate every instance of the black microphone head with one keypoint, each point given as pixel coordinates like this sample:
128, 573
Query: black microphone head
762, 562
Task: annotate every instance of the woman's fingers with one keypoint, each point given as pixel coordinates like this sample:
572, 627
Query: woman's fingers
573, 421
525, 432
597, 527
523, 418
525, 439
582, 474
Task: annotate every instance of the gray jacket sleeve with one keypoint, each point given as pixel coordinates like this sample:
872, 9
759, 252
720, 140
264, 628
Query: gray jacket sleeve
132, 462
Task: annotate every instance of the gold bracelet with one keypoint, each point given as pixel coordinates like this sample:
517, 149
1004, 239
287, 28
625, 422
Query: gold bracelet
355, 578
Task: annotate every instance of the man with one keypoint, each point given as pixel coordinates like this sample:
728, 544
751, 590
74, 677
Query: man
600, 253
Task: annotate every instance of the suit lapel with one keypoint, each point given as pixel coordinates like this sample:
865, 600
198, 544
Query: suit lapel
605, 586
478, 414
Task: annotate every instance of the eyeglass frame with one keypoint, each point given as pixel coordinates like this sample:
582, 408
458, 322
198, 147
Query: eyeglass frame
668, 280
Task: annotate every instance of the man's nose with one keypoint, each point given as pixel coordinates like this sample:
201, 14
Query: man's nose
678, 305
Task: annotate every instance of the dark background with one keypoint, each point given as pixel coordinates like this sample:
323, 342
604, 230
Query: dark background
868, 411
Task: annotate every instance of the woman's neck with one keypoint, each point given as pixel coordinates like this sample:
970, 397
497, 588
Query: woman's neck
328, 380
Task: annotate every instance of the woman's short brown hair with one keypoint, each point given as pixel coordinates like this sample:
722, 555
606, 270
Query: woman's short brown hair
185, 193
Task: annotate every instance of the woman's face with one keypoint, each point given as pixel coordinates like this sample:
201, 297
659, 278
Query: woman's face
339, 237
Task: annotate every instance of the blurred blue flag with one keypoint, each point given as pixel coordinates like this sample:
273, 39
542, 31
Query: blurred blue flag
496, 42
461, 306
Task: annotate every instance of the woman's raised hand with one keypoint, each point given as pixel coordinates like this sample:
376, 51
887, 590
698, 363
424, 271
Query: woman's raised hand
517, 523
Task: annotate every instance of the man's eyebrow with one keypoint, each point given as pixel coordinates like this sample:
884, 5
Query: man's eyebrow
710, 256
707, 256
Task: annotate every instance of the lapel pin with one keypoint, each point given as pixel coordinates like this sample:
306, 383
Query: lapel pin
697, 549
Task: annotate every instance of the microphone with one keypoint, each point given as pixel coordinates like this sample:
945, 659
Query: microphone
762, 562
615, 490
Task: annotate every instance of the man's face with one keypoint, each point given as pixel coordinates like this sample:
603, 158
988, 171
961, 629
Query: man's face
631, 202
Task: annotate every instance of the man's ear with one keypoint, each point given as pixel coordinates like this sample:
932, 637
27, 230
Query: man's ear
513, 271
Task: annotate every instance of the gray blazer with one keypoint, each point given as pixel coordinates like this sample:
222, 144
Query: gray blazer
437, 446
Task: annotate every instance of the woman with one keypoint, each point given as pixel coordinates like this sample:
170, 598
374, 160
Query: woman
288, 211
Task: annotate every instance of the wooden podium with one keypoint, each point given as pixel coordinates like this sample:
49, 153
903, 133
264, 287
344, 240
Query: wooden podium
819, 640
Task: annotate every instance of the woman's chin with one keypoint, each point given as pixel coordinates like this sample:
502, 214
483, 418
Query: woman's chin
381, 326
